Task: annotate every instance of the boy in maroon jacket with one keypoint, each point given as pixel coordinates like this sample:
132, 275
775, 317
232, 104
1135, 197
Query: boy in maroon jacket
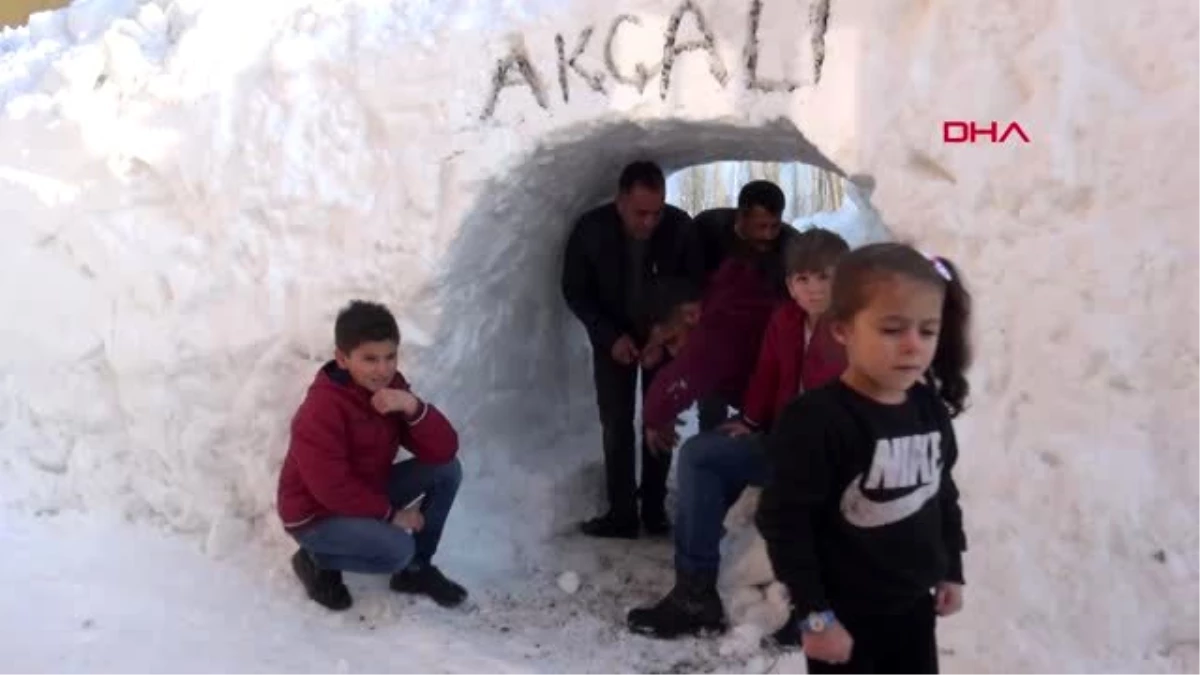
797, 352
340, 494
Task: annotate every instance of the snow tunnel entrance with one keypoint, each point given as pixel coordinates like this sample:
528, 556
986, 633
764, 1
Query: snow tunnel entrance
511, 362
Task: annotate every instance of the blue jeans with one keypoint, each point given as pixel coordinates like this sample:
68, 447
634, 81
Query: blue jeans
712, 471
371, 546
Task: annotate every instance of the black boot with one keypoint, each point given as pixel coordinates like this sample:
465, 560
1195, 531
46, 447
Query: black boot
654, 519
429, 581
693, 607
324, 587
612, 525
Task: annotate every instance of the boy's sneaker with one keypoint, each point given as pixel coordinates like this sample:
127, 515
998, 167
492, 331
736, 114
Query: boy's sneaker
429, 581
693, 607
324, 587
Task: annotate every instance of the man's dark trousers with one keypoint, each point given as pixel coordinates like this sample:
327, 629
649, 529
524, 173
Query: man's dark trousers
616, 394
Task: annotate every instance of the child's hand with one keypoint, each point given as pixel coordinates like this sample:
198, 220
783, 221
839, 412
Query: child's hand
832, 645
735, 428
395, 400
949, 598
409, 520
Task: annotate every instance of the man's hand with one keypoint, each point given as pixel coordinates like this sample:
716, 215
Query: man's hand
624, 351
661, 440
735, 428
832, 645
948, 599
395, 400
409, 520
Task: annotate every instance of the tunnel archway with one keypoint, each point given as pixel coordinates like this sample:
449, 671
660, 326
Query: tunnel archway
526, 403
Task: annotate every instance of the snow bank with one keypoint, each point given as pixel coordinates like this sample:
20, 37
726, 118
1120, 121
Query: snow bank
194, 189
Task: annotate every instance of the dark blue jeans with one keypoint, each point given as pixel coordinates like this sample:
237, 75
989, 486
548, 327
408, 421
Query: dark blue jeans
712, 471
371, 546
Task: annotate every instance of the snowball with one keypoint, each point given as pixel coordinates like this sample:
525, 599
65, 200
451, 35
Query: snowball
568, 582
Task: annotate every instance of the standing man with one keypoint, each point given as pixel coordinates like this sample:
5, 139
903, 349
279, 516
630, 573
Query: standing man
614, 253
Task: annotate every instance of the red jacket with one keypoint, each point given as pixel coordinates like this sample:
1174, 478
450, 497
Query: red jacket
784, 363
719, 355
341, 450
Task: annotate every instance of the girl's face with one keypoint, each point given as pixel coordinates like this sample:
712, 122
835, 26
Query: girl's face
811, 290
891, 341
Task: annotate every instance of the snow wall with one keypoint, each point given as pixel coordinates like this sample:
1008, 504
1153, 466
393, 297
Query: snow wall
191, 190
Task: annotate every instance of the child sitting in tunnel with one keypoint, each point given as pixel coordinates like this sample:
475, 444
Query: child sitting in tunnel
797, 353
340, 495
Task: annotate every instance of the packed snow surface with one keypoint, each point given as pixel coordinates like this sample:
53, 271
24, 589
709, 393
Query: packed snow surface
192, 189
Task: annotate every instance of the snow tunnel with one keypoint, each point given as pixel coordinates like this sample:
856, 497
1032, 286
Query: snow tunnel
527, 398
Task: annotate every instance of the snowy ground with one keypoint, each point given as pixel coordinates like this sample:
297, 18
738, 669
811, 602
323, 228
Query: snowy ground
102, 596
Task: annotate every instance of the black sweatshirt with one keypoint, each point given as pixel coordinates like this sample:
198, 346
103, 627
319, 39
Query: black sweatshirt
860, 513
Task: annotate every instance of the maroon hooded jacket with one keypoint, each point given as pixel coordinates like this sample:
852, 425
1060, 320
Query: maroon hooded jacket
342, 449
720, 353
784, 363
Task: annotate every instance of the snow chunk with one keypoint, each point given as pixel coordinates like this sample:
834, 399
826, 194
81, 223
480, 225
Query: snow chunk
568, 582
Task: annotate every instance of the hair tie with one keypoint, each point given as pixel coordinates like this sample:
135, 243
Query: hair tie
940, 266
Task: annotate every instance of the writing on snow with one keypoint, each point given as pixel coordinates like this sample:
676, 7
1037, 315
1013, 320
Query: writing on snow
515, 70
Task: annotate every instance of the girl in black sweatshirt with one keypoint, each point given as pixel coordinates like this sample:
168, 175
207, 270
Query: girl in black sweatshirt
861, 514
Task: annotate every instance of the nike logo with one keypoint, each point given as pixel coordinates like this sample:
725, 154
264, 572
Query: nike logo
903, 462
862, 511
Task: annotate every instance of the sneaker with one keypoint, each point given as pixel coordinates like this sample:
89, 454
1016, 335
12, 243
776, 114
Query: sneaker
692, 607
324, 587
429, 581
612, 526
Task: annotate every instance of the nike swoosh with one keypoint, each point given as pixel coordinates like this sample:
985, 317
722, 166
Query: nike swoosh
861, 511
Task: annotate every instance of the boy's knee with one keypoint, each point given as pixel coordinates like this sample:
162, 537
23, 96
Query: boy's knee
699, 448
450, 473
399, 550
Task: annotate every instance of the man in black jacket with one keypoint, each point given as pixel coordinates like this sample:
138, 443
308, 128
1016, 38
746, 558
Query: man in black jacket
615, 252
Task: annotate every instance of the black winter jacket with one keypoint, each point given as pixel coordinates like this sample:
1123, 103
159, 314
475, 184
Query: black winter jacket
594, 270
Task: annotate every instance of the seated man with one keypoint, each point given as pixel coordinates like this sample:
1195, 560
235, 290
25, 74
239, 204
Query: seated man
798, 352
340, 495
723, 232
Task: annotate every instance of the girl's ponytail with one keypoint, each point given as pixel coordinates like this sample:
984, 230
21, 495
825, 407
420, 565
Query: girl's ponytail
947, 373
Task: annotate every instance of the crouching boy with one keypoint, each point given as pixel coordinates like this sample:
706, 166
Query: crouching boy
340, 495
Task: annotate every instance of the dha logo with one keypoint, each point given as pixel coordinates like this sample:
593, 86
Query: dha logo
959, 131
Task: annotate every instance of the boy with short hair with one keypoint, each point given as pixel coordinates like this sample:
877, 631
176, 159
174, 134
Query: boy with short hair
340, 495
798, 351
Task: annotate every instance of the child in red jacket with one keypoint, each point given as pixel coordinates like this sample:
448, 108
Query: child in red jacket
797, 352
340, 494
